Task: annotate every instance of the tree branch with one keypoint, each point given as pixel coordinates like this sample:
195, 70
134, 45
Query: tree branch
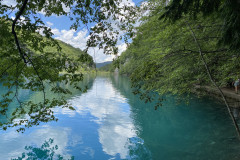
213, 81
14, 33
23, 55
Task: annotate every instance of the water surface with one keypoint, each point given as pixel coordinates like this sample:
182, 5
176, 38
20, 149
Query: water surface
112, 123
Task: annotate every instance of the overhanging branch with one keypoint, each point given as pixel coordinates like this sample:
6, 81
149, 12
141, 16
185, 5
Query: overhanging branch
23, 55
213, 81
14, 33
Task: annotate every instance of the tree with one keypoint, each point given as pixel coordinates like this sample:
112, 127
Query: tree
27, 64
168, 57
227, 10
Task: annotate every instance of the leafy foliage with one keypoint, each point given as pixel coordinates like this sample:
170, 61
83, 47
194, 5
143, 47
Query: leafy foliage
228, 11
163, 56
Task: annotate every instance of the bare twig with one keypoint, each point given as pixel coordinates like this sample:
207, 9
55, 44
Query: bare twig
213, 81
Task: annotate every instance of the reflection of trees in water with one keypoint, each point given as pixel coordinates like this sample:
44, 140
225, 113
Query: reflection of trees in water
137, 149
45, 152
180, 130
32, 111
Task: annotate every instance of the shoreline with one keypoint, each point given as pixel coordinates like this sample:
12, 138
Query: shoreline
232, 98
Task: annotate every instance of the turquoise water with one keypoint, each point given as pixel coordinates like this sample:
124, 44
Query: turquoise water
112, 123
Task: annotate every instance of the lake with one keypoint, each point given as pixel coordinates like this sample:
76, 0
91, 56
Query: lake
112, 123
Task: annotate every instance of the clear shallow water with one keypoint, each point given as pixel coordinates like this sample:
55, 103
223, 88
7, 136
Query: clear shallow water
112, 123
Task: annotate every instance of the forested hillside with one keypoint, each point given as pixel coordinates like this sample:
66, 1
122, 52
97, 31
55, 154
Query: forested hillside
84, 60
107, 68
99, 65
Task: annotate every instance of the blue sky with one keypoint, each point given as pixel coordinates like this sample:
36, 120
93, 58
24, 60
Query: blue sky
60, 26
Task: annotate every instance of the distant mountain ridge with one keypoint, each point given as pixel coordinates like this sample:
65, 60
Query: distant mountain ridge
99, 65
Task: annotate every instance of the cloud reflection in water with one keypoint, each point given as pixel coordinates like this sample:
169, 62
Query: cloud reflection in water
13, 144
112, 115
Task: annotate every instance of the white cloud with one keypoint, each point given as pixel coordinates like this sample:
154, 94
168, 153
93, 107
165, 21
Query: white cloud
76, 39
56, 32
65, 8
99, 56
9, 2
128, 2
49, 24
21, 19
122, 47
